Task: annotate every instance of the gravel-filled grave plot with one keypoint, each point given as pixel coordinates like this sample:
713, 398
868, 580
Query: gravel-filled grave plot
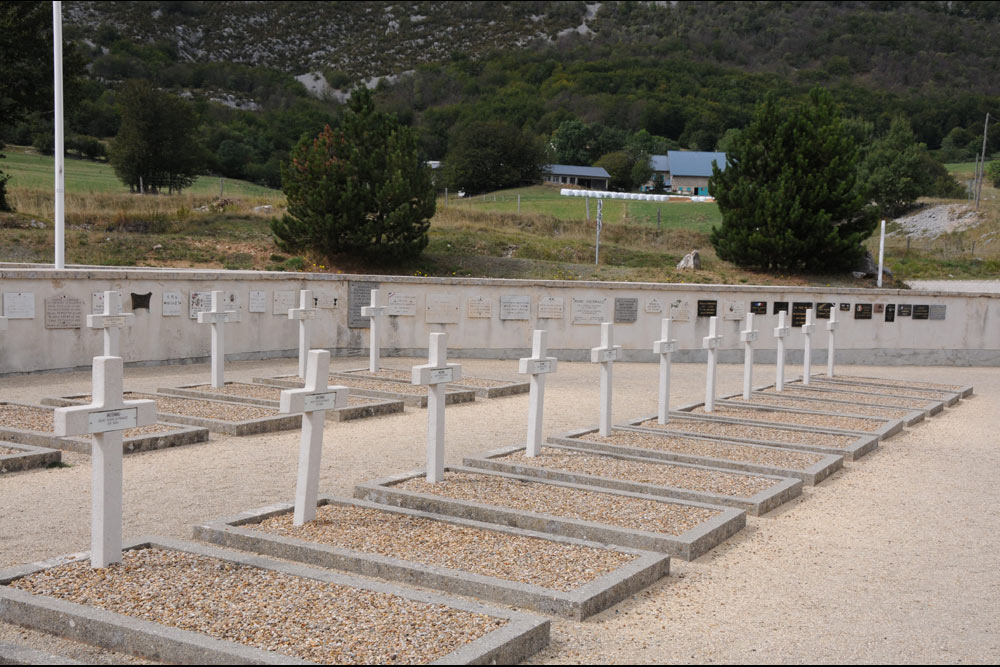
410, 394
316, 616
947, 397
35, 425
789, 417
889, 382
551, 574
15, 457
484, 387
680, 528
752, 492
807, 403
852, 397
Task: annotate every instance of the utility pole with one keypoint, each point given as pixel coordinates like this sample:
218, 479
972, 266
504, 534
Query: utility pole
982, 161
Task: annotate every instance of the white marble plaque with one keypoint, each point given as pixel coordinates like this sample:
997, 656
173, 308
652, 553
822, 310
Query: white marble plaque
325, 300
479, 306
441, 309
654, 305
734, 310
172, 302
551, 307
199, 302
112, 420
533, 366
325, 401
97, 303
63, 312
258, 301
626, 309
19, 305
401, 305
590, 310
283, 301
680, 310
515, 307
439, 375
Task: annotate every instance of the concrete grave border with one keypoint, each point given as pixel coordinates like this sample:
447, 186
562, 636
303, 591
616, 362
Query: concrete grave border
236, 532
934, 405
864, 444
180, 434
963, 391
30, 457
812, 475
686, 546
521, 637
913, 415
504, 388
951, 398
760, 503
12, 654
278, 422
891, 428
376, 408
451, 396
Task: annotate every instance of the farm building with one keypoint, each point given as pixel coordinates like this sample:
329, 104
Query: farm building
686, 172
592, 178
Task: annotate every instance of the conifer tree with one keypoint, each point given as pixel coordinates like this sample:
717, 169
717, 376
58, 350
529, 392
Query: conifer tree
360, 188
789, 194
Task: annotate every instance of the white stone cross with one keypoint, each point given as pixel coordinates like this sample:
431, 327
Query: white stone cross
217, 318
832, 327
305, 314
664, 347
105, 418
807, 330
606, 355
312, 401
436, 373
111, 320
748, 336
781, 332
537, 365
374, 313
711, 342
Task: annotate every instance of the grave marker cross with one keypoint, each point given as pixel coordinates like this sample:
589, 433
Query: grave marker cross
832, 327
305, 314
436, 373
664, 347
313, 401
807, 330
105, 418
111, 320
711, 343
781, 332
217, 318
748, 336
606, 355
374, 313
538, 365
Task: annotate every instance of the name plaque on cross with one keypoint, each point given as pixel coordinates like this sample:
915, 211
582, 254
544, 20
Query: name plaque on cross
327, 401
535, 366
112, 420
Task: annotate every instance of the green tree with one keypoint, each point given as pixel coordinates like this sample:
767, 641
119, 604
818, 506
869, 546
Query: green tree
789, 195
156, 145
892, 173
361, 189
993, 172
492, 155
619, 165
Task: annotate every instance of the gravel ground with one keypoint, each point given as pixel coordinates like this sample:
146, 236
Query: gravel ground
933, 221
663, 474
765, 433
796, 418
892, 559
887, 382
30, 418
718, 450
250, 390
793, 402
7, 451
528, 560
635, 513
467, 381
304, 618
193, 407
380, 385
855, 397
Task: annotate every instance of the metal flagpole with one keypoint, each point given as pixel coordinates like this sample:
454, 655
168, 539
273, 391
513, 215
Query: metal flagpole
60, 194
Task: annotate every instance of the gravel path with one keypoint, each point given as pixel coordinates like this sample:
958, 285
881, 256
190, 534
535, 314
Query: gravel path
528, 560
634, 513
304, 618
663, 474
855, 397
30, 418
750, 432
251, 390
796, 418
807, 404
715, 449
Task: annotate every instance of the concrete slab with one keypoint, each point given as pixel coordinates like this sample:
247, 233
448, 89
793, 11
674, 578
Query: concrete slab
811, 475
889, 427
930, 406
171, 435
830, 405
859, 445
520, 637
237, 427
238, 532
410, 398
782, 490
25, 457
360, 407
484, 387
687, 546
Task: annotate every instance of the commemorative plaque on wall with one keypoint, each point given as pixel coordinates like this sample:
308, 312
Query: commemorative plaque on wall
921, 312
846, 307
937, 312
904, 310
862, 311
708, 308
823, 311
799, 309
779, 306
626, 309
758, 307
890, 312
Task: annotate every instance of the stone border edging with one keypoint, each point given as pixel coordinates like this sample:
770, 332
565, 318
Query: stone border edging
891, 427
933, 406
504, 388
451, 396
32, 456
912, 416
962, 392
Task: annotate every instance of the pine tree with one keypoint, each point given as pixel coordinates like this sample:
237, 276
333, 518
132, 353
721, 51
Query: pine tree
361, 188
789, 195
893, 172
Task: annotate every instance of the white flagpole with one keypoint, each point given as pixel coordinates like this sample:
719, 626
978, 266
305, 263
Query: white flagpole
60, 194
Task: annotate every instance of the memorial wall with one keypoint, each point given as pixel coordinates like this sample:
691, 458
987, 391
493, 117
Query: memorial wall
46, 317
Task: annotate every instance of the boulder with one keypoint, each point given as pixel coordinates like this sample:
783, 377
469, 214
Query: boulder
868, 267
692, 260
